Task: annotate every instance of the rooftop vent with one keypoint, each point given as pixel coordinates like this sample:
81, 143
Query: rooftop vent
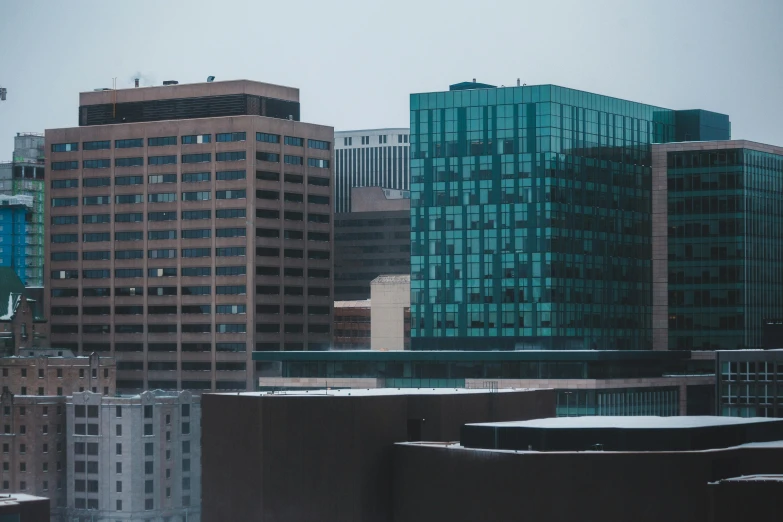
170, 82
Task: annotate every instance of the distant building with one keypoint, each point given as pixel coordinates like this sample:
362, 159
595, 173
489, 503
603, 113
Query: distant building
615, 469
42, 372
391, 312
716, 236
367, 158
329, 455
352, 325
589, 382
24, 176
750, 383
22, 325
18, 507
134, 458
371, 240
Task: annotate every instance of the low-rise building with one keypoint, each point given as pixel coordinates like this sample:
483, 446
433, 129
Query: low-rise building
352, 325
134, 457
391, 312
19, 507
750, 383
22, 323
57, 373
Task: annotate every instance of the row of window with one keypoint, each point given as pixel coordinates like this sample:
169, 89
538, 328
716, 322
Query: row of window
138, 217
312, 273
159, 197
162, 141
190, 328
191, 177
189, 158
313, 291
274, 233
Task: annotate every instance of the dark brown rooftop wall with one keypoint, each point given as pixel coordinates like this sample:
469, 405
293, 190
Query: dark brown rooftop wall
735, 501
28, 510
438, 485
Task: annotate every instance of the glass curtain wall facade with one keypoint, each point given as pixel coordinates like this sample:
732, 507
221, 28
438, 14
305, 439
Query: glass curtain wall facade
530, 219
725, 219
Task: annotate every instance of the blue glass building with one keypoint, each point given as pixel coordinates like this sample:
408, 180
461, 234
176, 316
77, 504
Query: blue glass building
14, 220
531, 216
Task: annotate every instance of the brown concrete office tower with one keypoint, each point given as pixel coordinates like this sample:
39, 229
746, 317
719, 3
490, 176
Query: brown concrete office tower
189, 225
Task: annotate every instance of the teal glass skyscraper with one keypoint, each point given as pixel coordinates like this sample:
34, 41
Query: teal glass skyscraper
531, 217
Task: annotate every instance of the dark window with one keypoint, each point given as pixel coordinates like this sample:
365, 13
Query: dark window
229, 251
230, 136
96, 145
268, 194
230, 213
230, 156
162, 328
196, 252
96, 218
129, 180
128, 310
96, 292
164, 216
128, 272
196, 177
65, 202
318, 163
196, 214
267, 214
96, 182
196, 328
197, 271
161, 142
162, 272
293, 253
154, 235
64, 256
197, 158
196, 139
65, 165
230, 232
268, 138
293, 234
129, 254
293, 160
97, 164
66, 220
67, 183
318, 218
293, 197
318, 236
127, 199
267, 290
129, 236
128, 162
268, 270
267, 252
162, 160
296, 179
196, 290
231, 290
230, 270
96, 237
130, 217
295, 142
265, 175
318, 200
64, 292
197, 233
318, 254
163, 310
268, 156
267, 328
318, 273
230, 194
204, 195
318, 182
317, 144
128, 144
226, 175
96, 255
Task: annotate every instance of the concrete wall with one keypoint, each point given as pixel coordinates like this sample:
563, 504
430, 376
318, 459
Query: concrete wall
373, 199
326, 457
438, 484
390, 297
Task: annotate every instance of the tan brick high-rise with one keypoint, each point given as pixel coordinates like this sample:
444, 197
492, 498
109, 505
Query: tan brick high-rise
188, 225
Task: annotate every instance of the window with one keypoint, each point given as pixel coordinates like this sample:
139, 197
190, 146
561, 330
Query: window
65, 165
96, 310
271, 195
162, 253
318, 218
96, 182
127, 199
65, 183
229, 251
221, 347
268, 156
129, 236
231, 310
65, 147
64, 256
65, 292
196, 271
65, 202
230, 213
162, 216
347, 142
230, 194
293, 197
267, 232
96, 200
268, 271
96, 164
149, 504
195, 252
196, 309
96, 274
96, 218
267, 214
65, 220
197, 158
365, 140
129, 162
231, 290
160, 142
96, 145
65, 274
161, 178
96, 329
318, 200
162, 290
293, 272
196, 196
318, 236
196, 177
230, 270
162, 160
265, 175
293, 234
163, 310
128, 291
230, 136
230, 232
293, 160
130, 217
317, 144
129, 254
196, 290
185, 480
297, 179
229, 175
156, 235
196, 214
293, 253
196, 139
318, 163
317, 182
294, 142
128, 180
196, 328
128, 144
268, 138
162, 197
128, 272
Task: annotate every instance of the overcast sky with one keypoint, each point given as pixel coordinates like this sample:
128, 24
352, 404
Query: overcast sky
355, 62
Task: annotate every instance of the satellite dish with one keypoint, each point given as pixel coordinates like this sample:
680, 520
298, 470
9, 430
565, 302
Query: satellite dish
210, 79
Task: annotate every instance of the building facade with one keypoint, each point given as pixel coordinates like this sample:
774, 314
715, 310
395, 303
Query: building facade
134, 458
717, 236
189, 226
627, 383
57, 373
22, 325
15, 215
24, 176
531, 217
371, 240
352, 325
369, 158
391, 312
750, 383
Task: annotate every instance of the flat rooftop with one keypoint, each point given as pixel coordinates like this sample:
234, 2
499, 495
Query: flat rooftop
623, 433
376, 392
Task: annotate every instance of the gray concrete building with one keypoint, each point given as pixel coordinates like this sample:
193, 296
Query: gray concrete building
370, 158
135, 457
188, 226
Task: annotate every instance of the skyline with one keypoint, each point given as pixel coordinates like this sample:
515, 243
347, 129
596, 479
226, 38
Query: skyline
710, 55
